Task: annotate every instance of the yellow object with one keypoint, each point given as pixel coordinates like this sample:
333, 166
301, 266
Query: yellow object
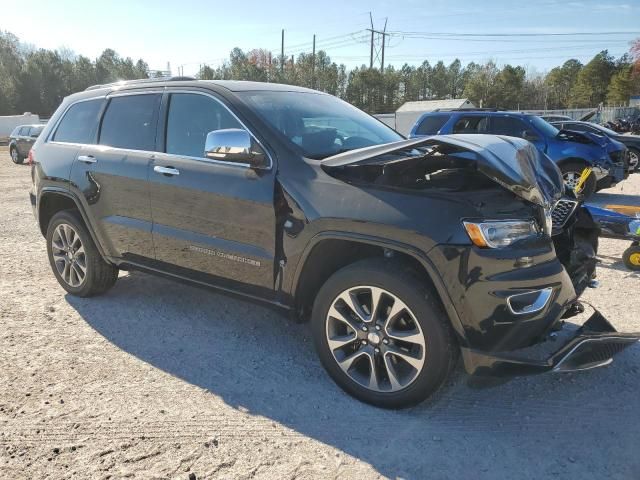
583, 178
630, 210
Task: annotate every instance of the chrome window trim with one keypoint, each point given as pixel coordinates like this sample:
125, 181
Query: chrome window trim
117, 93
106, 96
170, 90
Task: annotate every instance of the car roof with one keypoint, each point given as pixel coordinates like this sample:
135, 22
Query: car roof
97, 91
471, 111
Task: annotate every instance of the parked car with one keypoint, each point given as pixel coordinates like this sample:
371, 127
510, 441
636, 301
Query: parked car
21, 140
403, 254
571, 151
632, 142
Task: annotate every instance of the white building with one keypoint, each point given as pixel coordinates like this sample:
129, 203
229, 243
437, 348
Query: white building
9, 122
409, 112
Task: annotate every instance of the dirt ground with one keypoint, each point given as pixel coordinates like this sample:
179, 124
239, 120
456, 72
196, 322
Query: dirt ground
162, 380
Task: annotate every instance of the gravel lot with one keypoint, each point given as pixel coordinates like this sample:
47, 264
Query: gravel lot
162, 380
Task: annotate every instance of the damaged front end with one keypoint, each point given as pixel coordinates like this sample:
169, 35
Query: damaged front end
512, 302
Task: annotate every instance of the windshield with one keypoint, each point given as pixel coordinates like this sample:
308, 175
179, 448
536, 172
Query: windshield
318, 125
545, 127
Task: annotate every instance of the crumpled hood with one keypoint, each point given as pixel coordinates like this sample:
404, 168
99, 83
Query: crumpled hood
511, 162
583, 137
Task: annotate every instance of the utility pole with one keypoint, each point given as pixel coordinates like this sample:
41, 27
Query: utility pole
282, 53
313, 63
384, 40
371, 55
379, 53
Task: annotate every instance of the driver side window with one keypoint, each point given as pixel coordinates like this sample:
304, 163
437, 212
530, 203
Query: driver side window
190, 118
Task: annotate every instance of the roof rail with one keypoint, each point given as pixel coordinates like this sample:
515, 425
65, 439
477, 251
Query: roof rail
140, 80
468, 109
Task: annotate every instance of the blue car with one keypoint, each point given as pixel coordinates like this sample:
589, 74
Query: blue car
571, 151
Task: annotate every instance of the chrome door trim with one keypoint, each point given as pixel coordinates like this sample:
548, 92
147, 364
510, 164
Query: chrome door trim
166, 170
87, 159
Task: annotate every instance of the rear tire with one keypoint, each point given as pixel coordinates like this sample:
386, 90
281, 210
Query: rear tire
75, 259
15, 156
571, 172
405, 350
631, 258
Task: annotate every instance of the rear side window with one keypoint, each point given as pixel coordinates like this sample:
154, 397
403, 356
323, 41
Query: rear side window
130, 122
191, 117
79, 123
431, 124
36, 131
471, 124
512, 127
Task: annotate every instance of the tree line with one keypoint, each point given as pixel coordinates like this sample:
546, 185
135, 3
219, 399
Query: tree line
604, 79
37, 80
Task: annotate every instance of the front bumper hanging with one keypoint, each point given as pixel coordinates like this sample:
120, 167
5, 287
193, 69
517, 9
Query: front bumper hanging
592, 345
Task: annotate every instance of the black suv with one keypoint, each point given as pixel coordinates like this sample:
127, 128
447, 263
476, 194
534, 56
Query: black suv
403, 254
21, 140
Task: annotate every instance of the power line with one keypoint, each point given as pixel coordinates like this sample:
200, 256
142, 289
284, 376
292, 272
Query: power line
547, 34
335, 45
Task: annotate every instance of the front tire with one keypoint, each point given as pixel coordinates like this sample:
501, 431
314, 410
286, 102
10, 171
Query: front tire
15, 156
382, 335
75, 259
571, 172
634, 158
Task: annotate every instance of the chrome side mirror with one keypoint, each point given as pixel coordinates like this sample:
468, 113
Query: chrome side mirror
234, 145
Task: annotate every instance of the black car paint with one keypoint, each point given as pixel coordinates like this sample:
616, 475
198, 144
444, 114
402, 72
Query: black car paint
250, 231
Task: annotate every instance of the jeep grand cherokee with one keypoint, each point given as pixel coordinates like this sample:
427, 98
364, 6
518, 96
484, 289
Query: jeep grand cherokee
403, 254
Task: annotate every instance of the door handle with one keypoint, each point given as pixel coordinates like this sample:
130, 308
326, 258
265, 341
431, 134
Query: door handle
170, 171
87, 158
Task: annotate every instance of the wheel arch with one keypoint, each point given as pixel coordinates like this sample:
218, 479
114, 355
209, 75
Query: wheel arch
327, 252
566, 160
53, 200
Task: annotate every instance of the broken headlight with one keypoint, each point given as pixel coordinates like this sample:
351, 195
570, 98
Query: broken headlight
500, 233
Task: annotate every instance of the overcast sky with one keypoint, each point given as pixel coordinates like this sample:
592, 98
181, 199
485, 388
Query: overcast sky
191, 32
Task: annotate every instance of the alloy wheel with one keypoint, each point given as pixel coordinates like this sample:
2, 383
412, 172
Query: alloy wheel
375, 338
69, 255
633, 159
14, 155
571, 179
